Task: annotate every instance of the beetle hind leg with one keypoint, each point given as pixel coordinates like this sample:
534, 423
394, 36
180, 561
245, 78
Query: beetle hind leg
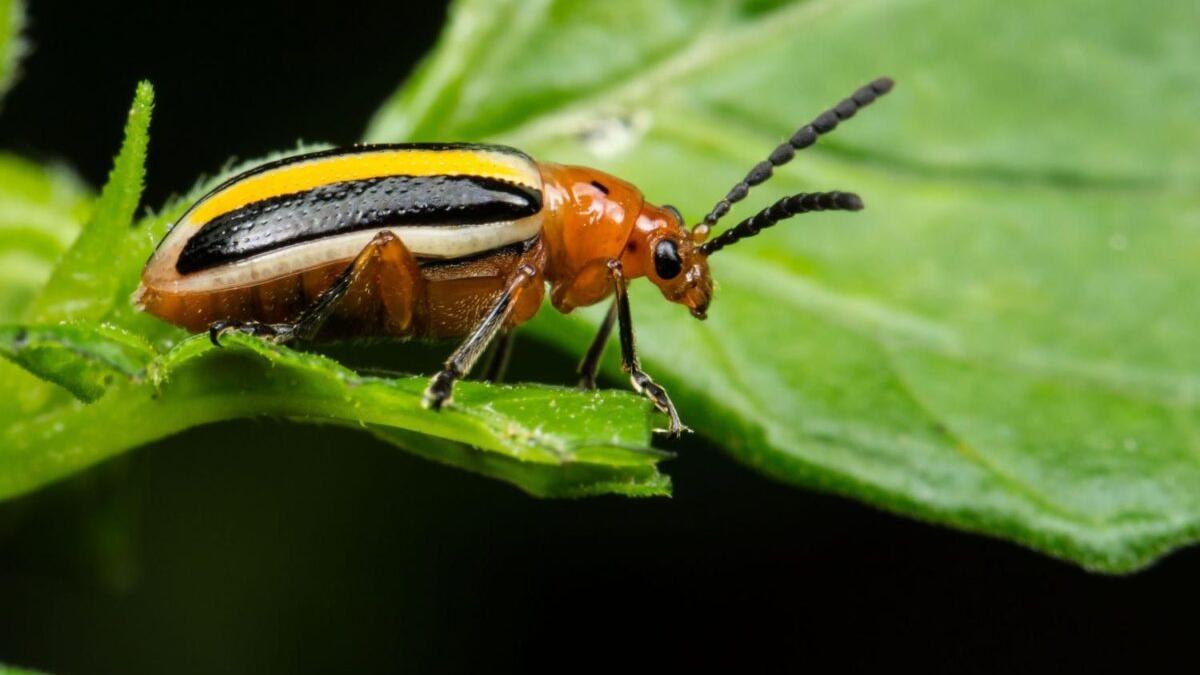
385, 262
497, 364
274, 332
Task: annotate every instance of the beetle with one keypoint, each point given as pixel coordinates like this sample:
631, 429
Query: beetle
449, 241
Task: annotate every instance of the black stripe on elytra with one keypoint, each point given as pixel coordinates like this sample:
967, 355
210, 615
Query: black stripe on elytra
349, 206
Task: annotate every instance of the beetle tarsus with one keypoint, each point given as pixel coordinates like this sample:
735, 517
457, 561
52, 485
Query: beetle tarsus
643, 384
277, 333
440, 388
215, 331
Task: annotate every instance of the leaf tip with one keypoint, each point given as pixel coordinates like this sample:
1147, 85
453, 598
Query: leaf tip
143, 97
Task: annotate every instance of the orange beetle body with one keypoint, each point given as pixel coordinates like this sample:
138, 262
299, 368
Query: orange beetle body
588, 218
446, 241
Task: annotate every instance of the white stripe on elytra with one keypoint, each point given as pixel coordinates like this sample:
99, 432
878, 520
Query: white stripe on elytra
427, 241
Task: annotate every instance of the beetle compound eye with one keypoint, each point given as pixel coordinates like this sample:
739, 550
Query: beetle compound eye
666, 259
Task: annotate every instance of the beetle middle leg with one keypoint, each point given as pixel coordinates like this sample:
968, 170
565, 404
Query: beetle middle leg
385, 259
629, 360
591, 360
464, 358
497, 363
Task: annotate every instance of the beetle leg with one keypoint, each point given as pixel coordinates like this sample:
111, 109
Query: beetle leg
385, 248
629, 360
591, 359
275, 332
498, 362
464, 358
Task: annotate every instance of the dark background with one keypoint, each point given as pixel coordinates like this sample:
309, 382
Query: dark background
267, 547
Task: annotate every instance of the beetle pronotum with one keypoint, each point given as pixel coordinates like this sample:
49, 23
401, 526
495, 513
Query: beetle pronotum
448, 241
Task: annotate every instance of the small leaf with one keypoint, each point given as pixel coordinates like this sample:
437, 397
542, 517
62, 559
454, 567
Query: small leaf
85, 285
546, 440
85, 360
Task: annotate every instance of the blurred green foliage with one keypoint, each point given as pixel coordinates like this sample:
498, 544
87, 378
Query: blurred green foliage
1002, 342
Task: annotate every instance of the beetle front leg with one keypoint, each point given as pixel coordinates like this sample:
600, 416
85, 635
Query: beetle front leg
463, 359
629, 360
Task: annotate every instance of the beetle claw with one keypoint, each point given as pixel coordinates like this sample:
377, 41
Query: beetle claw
215, 332
675, 432
437, 394
276, 333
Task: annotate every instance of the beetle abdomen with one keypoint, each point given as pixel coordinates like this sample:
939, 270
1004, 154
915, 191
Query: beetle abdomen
443, 201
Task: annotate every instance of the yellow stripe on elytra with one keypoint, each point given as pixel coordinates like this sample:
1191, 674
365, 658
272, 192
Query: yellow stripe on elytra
309, 174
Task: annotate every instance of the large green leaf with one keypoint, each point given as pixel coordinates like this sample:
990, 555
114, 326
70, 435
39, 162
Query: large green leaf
1004, 341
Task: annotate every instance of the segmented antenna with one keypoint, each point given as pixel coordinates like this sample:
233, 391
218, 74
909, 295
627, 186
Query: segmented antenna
804, 137
782, 210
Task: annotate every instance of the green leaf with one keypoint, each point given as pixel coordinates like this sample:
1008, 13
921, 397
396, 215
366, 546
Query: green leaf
85, 360
12, 47
85, 285
41, 210
1004, 341
545, 440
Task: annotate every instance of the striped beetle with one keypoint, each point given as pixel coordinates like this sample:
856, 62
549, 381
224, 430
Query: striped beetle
448, 241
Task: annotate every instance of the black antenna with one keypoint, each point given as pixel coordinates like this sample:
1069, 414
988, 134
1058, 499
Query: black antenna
804, 137
782, 210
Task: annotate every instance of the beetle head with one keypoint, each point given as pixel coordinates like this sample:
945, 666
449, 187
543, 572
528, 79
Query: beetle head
663, 247
676, 258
